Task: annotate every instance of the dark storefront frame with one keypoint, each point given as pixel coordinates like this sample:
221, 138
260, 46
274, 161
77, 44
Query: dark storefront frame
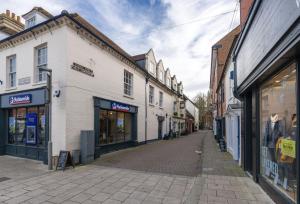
105, 104
251, 140
25, 151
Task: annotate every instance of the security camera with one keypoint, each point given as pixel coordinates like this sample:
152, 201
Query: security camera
56, 93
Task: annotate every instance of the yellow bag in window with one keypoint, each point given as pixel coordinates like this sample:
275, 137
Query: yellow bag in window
285, 150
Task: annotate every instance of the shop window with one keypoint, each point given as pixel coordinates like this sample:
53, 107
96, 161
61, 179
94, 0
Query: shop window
115, 127
26, 126
278, 122
128, 83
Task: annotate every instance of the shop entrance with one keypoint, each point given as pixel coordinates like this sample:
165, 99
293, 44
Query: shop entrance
160, 126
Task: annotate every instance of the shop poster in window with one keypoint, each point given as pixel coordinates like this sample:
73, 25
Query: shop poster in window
31, 127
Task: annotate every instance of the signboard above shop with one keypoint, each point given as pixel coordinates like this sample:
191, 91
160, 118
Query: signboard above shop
120, 107
20, 99
25, 98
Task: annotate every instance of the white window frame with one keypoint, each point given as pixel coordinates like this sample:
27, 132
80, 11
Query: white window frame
31, 22
151, 95
12, 71
151, 67
168, 81
161, 75
128, 83
41, 61
161, 99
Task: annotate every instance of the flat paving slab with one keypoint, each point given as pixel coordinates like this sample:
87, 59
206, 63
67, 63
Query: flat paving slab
19, 168
31, 183
176, 156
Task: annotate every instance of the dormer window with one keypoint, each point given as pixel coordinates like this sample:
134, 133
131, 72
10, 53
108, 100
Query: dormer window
30, 22
168, 81
151, 67
161, 76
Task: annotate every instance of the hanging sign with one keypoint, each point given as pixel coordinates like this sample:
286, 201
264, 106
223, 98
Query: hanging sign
120, 107
20, 99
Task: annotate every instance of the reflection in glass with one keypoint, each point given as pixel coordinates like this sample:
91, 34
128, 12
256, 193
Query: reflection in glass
278, 131
115, 127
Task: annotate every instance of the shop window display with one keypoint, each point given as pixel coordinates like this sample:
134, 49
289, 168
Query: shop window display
26, 126
115, 127
278, 126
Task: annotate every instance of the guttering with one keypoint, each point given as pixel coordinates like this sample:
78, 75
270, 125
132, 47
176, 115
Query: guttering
31, 28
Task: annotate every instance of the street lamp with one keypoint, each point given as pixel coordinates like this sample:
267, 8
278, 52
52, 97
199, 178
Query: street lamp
49, 104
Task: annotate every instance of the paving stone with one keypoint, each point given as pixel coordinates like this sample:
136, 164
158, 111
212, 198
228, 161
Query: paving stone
132, 201
81, 197
100, 197
138, 195
120, 196
111, 201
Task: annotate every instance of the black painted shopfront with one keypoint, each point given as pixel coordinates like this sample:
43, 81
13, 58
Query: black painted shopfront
115, 125
266, 60
23, 121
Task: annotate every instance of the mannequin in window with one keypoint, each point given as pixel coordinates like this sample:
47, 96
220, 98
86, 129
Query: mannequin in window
287, 165
273, 131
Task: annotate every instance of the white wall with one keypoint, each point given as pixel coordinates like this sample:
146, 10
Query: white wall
107, 83
25, 68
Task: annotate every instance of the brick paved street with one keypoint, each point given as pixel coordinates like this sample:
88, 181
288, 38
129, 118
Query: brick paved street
118, 182
175, 156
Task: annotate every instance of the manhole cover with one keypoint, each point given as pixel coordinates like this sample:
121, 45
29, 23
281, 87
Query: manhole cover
4, 179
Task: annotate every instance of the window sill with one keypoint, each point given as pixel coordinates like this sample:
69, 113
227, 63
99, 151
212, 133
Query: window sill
151, 104
127, 96
39, 83
11, 89
161, 107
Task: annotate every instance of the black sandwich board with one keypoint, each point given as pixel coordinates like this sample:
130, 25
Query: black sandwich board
64, 160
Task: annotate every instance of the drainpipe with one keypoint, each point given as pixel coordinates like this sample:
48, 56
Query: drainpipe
146, 107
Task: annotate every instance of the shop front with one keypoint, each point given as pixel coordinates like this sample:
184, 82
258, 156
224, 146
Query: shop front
115, 125
266, 69
23, 124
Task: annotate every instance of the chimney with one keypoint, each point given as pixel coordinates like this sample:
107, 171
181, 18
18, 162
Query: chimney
8, 13
245, 6
13, 15
18, 19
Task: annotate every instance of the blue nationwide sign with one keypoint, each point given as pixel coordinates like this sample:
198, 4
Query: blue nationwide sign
120, 107
20, 99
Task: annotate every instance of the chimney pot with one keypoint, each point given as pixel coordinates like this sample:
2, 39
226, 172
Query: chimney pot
13, 15
8, 13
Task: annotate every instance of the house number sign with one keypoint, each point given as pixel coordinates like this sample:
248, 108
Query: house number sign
82, 69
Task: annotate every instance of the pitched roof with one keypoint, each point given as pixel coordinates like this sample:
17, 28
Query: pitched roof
41, 10
139, 57
224, 49
94, 30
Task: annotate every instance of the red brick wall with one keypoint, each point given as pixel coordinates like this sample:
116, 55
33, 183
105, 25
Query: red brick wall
245, 6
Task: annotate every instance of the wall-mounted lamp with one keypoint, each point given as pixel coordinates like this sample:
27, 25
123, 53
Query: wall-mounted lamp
1, 82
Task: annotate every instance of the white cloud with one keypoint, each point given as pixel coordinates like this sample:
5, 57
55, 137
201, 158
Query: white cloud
185, 48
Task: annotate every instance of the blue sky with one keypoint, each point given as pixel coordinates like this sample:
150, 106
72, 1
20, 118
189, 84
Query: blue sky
181, 32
